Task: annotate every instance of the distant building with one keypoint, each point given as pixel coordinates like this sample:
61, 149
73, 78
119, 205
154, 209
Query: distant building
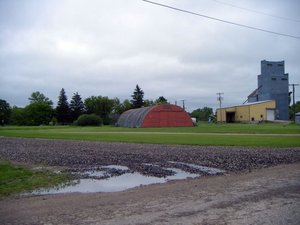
250, 112
273, 84
165, 115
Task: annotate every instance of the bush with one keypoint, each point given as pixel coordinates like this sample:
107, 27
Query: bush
89, 120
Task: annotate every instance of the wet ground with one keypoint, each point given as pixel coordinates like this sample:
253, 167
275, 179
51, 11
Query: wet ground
147, 159
259, 186
103, 167
113, 178
264, 196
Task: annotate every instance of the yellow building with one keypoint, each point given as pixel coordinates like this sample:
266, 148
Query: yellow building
256, 111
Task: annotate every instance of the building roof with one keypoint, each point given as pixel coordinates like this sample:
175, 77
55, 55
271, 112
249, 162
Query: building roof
165, 115
255, 92
254, 103
251, 103
134, 117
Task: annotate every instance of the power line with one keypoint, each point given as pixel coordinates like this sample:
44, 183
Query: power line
220, 20
256, 11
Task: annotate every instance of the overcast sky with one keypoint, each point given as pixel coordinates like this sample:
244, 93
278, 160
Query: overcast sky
106, 47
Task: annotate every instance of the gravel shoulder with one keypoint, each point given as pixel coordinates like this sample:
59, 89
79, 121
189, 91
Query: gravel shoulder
269, 194
85, 154
265, 196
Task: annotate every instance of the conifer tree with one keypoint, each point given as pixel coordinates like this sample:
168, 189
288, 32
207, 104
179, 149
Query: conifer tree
137, 97
76, 106
63, 109
5, 111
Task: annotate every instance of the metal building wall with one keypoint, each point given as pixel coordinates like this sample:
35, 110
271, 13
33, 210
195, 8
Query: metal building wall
166, 115
274, 86
256, 111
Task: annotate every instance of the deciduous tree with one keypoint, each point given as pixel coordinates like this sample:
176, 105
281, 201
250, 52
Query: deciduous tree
39, 97
161, 100
148, 102
38, 113
18, 116
101, 106
202, 114
119, 107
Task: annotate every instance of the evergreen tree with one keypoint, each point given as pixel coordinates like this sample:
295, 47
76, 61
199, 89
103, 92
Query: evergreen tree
76, 107
137, 97
63, 108
5, 112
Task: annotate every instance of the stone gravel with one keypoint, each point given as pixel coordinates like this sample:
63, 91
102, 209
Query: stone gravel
143, 158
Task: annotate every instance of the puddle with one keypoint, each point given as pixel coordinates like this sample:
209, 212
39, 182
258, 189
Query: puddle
117, 167
93, 180
205, 169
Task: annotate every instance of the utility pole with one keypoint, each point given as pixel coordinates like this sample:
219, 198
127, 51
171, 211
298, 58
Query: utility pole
220, 99
294, 105
183, 104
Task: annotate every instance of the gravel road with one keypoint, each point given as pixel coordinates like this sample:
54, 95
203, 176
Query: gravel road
270, 194
83, 155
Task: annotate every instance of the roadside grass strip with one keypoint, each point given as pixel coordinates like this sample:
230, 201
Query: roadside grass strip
169, 138
15, 179
258, 135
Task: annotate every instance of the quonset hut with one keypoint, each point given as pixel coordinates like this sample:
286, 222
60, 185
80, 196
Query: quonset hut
166, 115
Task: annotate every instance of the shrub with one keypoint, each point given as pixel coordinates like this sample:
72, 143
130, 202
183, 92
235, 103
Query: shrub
89, 120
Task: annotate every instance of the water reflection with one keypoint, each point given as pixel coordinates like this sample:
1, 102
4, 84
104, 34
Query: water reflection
122, 182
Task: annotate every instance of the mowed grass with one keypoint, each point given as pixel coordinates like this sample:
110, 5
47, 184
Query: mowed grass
268, 135
14, 179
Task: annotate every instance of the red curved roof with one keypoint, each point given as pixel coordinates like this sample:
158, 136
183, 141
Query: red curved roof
166, 115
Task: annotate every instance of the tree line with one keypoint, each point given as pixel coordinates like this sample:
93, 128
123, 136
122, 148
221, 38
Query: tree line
94, 110
40, 110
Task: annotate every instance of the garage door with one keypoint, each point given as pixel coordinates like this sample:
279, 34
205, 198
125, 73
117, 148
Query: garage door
270, 114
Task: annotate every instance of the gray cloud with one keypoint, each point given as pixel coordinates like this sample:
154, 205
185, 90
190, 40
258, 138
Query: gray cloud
107, 47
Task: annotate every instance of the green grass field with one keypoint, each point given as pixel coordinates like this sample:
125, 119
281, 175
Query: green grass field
268, 134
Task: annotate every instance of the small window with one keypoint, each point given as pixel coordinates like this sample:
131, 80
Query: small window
241, 117
273, 78
283, 78
269, 64
261, 116
252, 118
280, 65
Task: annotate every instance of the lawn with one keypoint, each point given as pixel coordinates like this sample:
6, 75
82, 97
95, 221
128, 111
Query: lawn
267, 134
15, 178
